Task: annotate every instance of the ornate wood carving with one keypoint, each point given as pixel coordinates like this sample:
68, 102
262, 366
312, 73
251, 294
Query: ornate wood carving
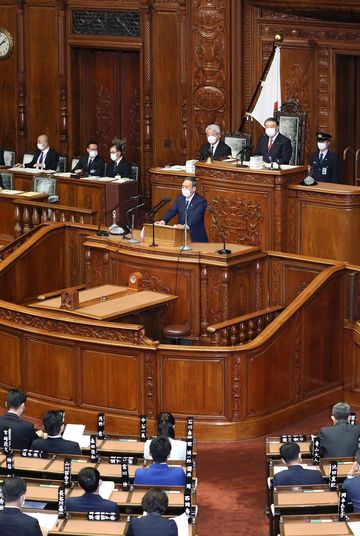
291, 225
204, 300
147, 92
276, 275
323, 88
103, 117
279, 211
149, 379
152, 282
259, 286
298, 358
120, 23
236, 388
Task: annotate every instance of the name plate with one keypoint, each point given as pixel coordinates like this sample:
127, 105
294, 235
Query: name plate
30, 453
103, 516
118, 460
293, 438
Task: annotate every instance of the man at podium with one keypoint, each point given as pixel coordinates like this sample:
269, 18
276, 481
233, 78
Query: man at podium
192, 206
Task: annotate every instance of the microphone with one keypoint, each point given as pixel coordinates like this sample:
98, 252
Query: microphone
278, 163
215, 219
132, 209
157, 207
271, 162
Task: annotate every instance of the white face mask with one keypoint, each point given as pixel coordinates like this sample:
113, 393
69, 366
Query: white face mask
322, 145
113, 156
186, 193
270, 131
40, 146
93, 154
212, 139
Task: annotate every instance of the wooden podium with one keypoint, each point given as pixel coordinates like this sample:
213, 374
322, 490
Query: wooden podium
166, 235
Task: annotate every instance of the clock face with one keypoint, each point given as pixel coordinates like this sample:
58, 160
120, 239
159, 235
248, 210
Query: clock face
6, 44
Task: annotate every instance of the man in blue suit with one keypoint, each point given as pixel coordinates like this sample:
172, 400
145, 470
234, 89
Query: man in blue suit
154, 503
90, 501
159, 473
295, 475
12, 520
194, 206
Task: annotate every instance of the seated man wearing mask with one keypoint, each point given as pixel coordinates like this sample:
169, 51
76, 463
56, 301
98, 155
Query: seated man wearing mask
324, 163
119, 165
45, 157
214, 148
274, 146
192, 203
90, 164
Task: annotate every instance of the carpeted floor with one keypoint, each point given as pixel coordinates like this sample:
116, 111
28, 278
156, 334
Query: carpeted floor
231, 490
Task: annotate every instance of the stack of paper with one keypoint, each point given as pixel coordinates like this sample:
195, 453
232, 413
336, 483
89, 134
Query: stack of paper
256, 162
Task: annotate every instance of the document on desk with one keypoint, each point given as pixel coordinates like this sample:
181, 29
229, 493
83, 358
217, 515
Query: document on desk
106, 488
355, 527
11, 192
74, 432
48, 521
182, 524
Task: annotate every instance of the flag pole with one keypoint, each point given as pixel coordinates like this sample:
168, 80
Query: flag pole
278, 39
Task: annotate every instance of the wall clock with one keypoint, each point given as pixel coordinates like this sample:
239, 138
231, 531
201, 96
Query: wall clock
6, 44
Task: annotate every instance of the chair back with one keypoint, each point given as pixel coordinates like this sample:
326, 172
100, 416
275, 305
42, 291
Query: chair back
61, 167
27, 158
7, 181
74, 161
45, 185
9, 157
135, 172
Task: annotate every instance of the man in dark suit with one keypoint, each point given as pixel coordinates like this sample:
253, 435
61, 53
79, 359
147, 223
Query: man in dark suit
54, 427
154, 503
341, 439
90, 164
274, 146
159, 473
352, 483
214, 148
13, 522
22, 432
324, 164
295, 474
44, 157
90, 501
194, 206
119, 166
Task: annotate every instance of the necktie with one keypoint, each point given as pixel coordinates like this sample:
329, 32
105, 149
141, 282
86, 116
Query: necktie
321, 158
270, 145
212, 150
89, 164
41, 159
187, 203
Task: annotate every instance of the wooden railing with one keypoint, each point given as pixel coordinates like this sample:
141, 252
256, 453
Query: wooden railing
14, 244
243, 328
30, 214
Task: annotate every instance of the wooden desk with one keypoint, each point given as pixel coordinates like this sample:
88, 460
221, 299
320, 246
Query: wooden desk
96, 194
318, 525
7, 209
273, 444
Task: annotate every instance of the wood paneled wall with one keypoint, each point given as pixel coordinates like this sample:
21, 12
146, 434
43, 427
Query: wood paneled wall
191, 63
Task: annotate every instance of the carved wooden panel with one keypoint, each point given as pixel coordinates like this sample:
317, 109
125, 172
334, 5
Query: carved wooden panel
110, 380
10, 369
354, 369
297, 279
51, 369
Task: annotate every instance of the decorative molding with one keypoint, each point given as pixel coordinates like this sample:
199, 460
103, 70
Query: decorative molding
275, 286
119, 23
236, 388
154, 283
291, 226
103, 117
297, 358
149, 387
204, 300
259, 286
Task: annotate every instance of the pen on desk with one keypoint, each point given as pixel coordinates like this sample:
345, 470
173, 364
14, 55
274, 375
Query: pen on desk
48, 486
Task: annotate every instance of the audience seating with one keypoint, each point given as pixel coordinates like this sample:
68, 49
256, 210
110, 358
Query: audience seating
9, 157
7, 181
135, 172
46, 185
61, 167
27, 158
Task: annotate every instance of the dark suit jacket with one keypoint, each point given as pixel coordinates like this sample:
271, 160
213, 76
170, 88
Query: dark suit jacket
97, 167
222, 150
2, 161
352, 486
295, 475
90, 502
281, 149
152, 525
14, 523
22, 432
340, 440
51, 159
195, 216
160, 474
330, 165
123, 168
57, 445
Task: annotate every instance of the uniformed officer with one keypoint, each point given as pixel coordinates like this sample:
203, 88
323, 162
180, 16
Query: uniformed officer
324, 163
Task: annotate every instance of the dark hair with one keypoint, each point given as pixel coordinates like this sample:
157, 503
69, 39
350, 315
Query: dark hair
88, 479
92, 142
119, 144
341, 411
289, 452
160, 448
155, 500
13, 487
165, 425
15, 398
273, 119
53, 419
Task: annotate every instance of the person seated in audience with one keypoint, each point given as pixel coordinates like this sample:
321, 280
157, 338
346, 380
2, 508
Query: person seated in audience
341, 439
154, 503
214, 148
13, 522
159, 473
54, 443
91, 501
22, 432
45, 157
90, 164
295, 474
352, 483
119, 166
166, 428
274, 146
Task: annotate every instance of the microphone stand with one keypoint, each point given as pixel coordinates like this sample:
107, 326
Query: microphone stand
186, 246
133, 240
153, 243
215, 219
